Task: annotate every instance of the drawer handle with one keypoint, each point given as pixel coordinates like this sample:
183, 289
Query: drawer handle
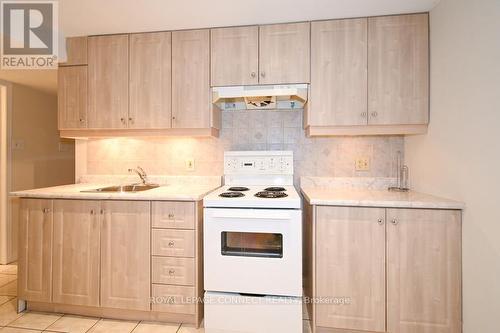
171, 272
46, 210
394, 221
171, 244
171, 215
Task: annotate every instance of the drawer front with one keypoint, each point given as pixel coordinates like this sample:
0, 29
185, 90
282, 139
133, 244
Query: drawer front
174, 215
174, 299
173, 243
179, 271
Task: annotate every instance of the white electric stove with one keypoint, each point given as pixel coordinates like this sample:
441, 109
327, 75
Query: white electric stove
253, 246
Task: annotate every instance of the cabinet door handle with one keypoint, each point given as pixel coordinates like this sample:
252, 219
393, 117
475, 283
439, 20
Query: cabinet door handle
171, 215
122, 120
380, 221
374, 114
363, 114
171, 244
171, 272
82, 120
131, 120
92, 212
263, 74
46, 210
394, 221
253, 74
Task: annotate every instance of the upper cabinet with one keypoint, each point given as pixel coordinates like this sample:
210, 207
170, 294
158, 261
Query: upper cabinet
270, 54
284, 53
72, 97
191, 79
148, 84
398, 85
369, 76
338, 73
76, 51
150, 80
108, 82
234, 56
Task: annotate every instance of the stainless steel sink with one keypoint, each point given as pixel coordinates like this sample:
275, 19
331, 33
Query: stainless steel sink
124, 188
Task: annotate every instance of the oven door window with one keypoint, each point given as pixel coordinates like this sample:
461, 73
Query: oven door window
252, 244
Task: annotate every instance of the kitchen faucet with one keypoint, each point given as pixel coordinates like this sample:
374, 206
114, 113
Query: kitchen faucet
141, 173
402, 176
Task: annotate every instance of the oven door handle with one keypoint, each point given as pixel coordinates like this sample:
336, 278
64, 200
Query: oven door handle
253, 215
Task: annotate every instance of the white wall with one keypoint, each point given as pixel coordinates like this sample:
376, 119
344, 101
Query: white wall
460, 156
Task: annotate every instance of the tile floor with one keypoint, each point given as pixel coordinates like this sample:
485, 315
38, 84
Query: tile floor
33, 322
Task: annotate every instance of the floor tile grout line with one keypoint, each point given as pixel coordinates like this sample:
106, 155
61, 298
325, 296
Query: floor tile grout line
140, 321
99, 319
7, 301
33, 329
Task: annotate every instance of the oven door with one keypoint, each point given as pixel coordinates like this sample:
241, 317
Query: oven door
254, 251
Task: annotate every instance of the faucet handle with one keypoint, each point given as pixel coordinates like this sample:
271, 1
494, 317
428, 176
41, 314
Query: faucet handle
141, 170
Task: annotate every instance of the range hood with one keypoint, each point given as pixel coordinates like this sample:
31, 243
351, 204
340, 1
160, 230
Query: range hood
292, 96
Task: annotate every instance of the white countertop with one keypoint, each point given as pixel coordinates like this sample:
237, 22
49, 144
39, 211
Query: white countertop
178, 192
323, 196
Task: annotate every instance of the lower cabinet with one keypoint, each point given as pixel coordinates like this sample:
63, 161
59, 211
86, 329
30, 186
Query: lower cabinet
387, 270
125, 255
350, 258
76, 252
92, 257
424, 271
35, 250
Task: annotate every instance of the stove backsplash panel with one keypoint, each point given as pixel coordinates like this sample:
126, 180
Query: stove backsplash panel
246, 130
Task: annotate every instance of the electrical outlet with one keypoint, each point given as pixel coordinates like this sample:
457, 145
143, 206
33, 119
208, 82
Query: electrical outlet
362, 164
190, 164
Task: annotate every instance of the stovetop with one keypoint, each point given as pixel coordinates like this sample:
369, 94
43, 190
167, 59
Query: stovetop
254, 196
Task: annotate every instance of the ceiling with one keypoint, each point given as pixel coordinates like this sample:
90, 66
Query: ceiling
92, 17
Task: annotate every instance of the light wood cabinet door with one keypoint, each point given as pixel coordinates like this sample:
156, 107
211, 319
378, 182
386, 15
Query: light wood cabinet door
76, 51
423, 271
338, 73
76, 252
284, 53
191, 79
174, 243
234, 56
176, 299
173, 215
150, 80
125, 255
35, 250
350, 262
169, 270
72, 97
108, 82
398, 66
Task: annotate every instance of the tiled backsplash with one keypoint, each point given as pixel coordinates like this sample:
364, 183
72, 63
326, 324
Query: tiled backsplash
247, 130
